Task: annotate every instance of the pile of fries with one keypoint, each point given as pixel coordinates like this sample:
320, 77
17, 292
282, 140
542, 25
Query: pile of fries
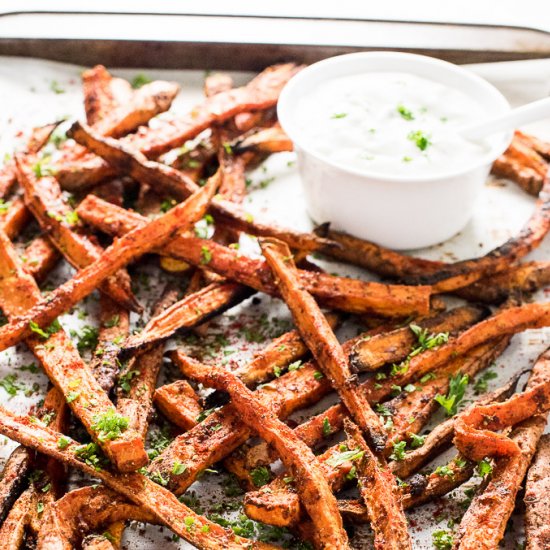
173, 190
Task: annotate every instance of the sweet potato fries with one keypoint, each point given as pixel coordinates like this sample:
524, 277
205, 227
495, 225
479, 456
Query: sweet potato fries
214, 371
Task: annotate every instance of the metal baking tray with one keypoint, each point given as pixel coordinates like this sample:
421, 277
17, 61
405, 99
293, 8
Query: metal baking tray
202, 40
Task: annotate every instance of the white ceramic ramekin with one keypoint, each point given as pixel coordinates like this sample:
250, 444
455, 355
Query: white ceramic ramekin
400, 212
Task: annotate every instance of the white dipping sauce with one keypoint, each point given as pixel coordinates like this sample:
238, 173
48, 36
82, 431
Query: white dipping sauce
390, 123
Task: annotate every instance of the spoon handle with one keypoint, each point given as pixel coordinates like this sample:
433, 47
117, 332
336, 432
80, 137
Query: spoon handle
509, 121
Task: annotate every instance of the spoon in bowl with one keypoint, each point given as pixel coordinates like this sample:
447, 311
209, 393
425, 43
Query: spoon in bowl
511, 120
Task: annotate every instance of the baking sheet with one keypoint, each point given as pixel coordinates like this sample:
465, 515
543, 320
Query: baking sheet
29, 98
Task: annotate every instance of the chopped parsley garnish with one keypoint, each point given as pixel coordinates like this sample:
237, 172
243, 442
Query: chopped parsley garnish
109, 425
206, 255
112, 322
56, 87
42, 168
399, 449
39, 507
72, 395
227, 148
52, 329
345, 456
442, 540
420, 139
417, 440
140, 80
407, 159
339, 115
260, 476
481, 385
88, 338
295, 366
125, 379
484, 467
318, 375
405, 113
326, 427
10, 385
4, 206
444, 471
167, 204
457, 388
204, 414
91, 454
71, 217
160, 439
62, 443
178, 468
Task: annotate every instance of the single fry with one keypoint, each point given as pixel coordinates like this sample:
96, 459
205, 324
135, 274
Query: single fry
114, 326
537, 506
188, 312
13, 479
122, 251
392, 347
381, 496
320, 339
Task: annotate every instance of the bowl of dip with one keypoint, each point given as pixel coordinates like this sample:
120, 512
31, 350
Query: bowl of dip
378, 147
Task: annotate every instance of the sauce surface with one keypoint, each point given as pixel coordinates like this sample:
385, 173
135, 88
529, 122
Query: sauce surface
390, 123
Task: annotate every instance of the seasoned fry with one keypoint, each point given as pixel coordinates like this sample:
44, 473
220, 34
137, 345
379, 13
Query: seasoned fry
523, 164
332, 291
14, 217
63, 365
475, 429
392, 347
320, 339
103, 93
179, 402
136, 487
138, 378
172, 182
114, 326
145, 103
379, 491
40, 257
43, 197
122, 251
82, 511
461, 274
508, 321
374, 257
483, 525
12, 532
191, 311
268, 140
13, 479
537, 506
524, 278
312, 487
